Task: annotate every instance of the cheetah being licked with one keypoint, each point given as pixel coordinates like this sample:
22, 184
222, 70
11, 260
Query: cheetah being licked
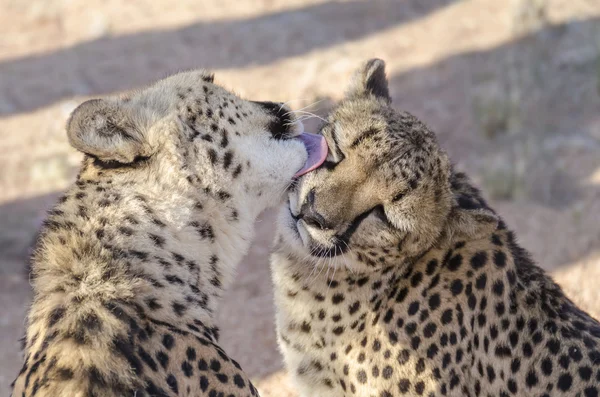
393, 277
131, 263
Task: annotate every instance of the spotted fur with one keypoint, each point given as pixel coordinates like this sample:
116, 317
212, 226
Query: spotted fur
393, 277
131, 262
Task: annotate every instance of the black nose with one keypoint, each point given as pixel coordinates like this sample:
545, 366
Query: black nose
281, 126
309, 214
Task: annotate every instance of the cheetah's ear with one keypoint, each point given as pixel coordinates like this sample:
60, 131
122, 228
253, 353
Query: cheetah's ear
470, 220
370, 79
104, 129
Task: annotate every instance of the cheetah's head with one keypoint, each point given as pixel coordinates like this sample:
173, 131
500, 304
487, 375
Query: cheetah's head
384, 192
190, 134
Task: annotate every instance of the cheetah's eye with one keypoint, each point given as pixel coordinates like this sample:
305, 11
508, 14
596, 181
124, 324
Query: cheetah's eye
335, 154
399, 196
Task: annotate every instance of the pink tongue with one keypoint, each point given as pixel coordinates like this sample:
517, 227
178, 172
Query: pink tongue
316, 146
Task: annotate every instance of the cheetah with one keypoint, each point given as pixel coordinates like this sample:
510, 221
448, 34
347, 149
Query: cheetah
393, 277
131, 263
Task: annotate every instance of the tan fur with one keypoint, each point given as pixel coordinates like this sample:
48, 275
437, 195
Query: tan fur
393, 277
132, 261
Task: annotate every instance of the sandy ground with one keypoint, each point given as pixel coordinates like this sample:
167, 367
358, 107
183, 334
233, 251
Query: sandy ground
511, 87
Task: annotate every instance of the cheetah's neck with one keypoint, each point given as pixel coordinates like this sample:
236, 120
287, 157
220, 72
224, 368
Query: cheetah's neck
171, 256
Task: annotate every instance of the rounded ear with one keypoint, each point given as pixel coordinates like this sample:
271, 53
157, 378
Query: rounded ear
472, 223
470, 216
370, 79
208, 76
107, 131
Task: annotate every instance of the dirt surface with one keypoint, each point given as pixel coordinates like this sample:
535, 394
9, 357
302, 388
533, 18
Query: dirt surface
511, 87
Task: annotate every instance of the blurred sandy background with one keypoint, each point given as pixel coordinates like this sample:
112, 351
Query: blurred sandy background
512, 88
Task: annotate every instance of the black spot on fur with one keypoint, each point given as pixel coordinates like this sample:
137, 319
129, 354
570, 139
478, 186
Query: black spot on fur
64, 374
481, 281
143, 354
91, 322
155, 391
204, 229
500, 259
454, 263
223, 196
139, 254
125, 348
215, 365
179, 308
239, 381
187, 369
337, 299
159, 241
456, 287
227, 159
56, 315
172, 382
212, 156
168, 341
222, 378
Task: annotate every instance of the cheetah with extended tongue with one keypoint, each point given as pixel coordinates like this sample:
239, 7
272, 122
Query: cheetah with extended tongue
131, 263
394, 278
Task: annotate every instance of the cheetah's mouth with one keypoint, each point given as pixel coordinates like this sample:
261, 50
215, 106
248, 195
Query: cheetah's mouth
325, 243
316, 147
338, 243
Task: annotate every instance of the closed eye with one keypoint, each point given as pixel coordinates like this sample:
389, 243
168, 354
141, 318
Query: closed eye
366, 135
335, 155
399, 196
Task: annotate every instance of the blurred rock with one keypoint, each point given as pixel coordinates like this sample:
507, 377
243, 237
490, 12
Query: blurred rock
502, 176
98, 26
492, 109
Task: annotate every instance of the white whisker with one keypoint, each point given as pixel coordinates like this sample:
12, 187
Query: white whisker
334, 268
302, 112
321, 251
291, 100
298, 120
305, 107
345, 259
286, 188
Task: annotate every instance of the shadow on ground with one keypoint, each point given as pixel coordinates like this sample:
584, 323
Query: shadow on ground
511, 113
124, 62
